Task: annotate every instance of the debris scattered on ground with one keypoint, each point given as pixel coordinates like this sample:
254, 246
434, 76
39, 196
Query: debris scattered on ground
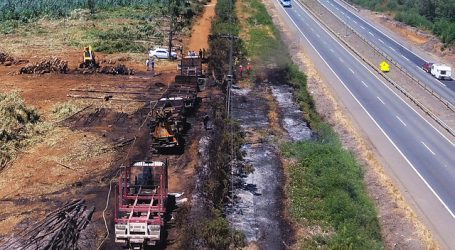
59, 230
8, 60
46, 65
119, 69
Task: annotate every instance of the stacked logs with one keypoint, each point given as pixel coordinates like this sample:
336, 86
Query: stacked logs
59, 230
8, 60
47, 65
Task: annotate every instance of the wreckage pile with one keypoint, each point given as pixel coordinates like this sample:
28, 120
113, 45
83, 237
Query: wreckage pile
8, 60
59, 230
119, 69
46, 65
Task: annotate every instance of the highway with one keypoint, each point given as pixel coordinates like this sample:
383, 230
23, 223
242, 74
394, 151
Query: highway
420, 157
402, 55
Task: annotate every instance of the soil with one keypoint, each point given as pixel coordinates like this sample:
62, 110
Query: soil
80, 156
400, 226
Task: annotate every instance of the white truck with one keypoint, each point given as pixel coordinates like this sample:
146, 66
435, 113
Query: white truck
441, 71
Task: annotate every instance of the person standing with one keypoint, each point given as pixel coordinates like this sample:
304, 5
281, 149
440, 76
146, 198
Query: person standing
147, 62
241, 71
200, 53
248, 68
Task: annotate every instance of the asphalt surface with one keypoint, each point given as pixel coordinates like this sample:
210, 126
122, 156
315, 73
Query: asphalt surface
425, 162
402, 55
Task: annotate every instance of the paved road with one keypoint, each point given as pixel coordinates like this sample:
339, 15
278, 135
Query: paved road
402, 55
427, 171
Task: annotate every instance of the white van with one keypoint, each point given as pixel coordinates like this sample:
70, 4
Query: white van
441, 71
286, 3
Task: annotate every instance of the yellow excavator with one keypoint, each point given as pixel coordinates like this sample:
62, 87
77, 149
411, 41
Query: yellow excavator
88, 58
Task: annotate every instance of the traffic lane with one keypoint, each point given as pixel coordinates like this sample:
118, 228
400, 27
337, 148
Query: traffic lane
400, 54
334, 5
414, 149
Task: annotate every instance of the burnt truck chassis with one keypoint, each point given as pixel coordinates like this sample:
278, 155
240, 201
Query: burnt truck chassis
141, 204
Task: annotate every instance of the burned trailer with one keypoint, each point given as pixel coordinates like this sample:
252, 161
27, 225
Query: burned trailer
191, 72
141, 200
188, 94
168, 123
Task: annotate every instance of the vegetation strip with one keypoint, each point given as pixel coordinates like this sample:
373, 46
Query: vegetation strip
326, 189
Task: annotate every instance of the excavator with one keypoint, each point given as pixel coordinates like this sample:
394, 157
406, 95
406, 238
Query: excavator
88, 59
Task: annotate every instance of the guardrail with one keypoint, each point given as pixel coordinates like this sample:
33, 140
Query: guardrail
396, 85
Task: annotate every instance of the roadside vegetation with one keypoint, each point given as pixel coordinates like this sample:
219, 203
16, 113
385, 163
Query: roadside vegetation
437, 16
327, 195
213, 230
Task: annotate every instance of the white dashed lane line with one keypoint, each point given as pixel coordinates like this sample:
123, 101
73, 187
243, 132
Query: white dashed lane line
331, 50
362, 27
405, 58
392, 48
402, 122
364, 84
370, 33
379, 39
380, 100
351, 70
428, 148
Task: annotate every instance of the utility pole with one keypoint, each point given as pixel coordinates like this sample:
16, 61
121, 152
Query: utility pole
171, 24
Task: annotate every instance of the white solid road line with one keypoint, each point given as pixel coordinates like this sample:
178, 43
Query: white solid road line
379, 39
401, 121
428, 148
353, 56
369, 115
351, 70
380, 100
401, 45
365, 84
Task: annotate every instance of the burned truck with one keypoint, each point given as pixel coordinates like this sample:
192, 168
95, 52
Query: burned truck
141, 204
191, 72
168, 123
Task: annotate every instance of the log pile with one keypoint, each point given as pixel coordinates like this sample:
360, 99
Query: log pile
47, 65
8, 60
59, 230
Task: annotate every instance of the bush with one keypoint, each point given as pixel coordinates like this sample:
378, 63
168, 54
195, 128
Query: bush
445, 30
413, 18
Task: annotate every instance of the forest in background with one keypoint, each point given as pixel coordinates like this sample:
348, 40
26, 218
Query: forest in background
435, 15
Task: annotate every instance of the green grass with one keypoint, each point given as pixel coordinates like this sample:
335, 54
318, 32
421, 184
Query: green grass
326, 184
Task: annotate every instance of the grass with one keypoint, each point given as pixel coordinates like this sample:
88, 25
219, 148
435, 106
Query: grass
20, 126
325, 185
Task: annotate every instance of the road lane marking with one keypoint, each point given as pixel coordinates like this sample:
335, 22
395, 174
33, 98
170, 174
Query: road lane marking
401, 121
380, 100
312, 29
337, 8
365, 84
370, 33
318, 35
331, 50
362, 27
405, 57
354, 21
391, 48
341, 60
369, 115
348, 17
351, 70
380, 40
428, 148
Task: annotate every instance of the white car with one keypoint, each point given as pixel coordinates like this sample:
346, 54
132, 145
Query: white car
286, 3
162, 53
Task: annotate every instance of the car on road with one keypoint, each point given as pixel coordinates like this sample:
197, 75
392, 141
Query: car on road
286, 3
161, 53
427, 67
